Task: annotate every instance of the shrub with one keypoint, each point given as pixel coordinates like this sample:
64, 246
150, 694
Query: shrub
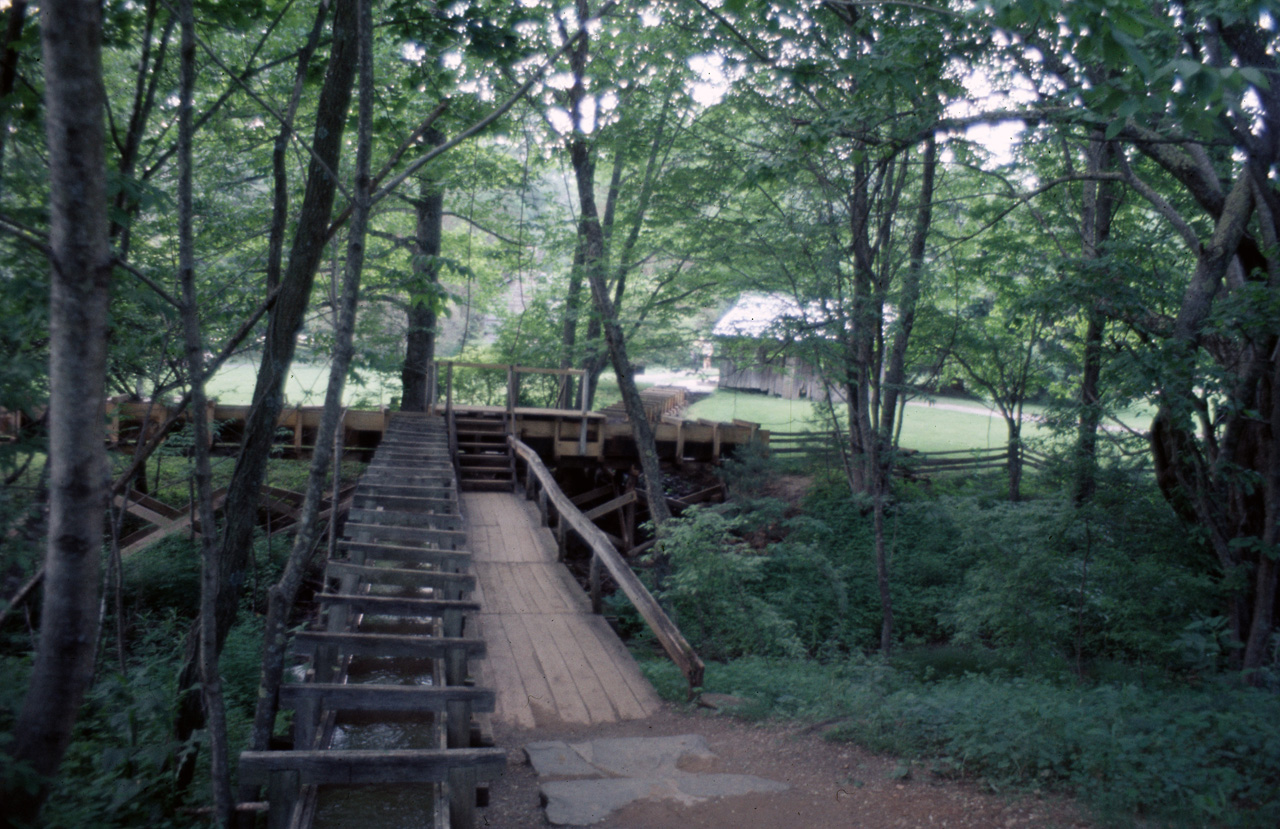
714, 590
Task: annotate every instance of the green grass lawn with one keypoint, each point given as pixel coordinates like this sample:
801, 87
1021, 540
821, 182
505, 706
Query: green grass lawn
934, 425
233, 384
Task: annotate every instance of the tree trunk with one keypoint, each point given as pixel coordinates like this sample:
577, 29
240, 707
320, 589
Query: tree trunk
17, 18
1013, 464
210, 679
895, 370
592, 236
284, 594
279, 174
420, 340
282, 328
1097, 209
81, 272
569, 329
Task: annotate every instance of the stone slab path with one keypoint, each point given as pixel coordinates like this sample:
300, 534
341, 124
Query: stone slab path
585, 782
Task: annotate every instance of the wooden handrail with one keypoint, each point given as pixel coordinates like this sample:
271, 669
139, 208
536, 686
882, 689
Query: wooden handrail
605, 554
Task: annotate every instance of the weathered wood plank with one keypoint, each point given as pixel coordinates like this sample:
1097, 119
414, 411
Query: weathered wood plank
609, 506
365, 766
448, 560
385, 697
386, 644
666, 631
397, 605
416, 536
403, 518
402, 577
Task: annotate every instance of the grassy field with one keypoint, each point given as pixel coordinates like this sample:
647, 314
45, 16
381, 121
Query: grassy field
931, 425
233, 385
935, 425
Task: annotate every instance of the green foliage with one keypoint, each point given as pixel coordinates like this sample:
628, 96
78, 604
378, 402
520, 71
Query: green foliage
713, 590
118, 772
1165, 755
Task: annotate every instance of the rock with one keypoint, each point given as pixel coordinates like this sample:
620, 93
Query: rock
721, 702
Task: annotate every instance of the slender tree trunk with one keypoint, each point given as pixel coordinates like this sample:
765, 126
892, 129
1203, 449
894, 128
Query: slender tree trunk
1013, 464
1097, 209
17, 19
284, 594
210, 679
420, 341
81, 272
592, 235
569, 330
282, 328
895, 371
279, 171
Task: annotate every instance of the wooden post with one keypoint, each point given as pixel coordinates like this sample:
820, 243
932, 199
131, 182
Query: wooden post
629, 519
339, 438
582, 430
596, 598
511, 399
448, 392
282, 792
433, 372
462, 798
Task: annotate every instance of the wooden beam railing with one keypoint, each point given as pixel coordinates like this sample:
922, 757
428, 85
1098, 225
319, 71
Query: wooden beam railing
513, 373
540, 482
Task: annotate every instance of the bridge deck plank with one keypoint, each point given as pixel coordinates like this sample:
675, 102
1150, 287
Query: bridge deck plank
550, 659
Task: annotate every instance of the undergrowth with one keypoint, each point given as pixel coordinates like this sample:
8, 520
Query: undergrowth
1162, 755
1039, 644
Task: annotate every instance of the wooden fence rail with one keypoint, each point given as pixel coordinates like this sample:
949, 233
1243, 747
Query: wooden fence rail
540, 484
950, 460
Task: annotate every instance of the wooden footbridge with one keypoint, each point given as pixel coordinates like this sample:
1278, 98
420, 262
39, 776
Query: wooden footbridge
444, 611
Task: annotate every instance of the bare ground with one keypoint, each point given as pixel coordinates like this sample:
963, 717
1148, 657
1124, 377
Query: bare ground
832, 784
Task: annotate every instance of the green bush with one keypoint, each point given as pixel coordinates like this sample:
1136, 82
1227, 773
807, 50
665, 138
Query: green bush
714, 590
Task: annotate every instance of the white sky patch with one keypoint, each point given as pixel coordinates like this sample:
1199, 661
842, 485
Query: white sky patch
560, 120
413, 52
452, 60
1000, 138
561, 80
712, 83
650, 17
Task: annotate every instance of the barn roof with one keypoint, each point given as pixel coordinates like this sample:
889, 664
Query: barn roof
759, 314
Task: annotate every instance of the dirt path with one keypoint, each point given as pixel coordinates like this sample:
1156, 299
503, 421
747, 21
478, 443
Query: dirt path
832, 784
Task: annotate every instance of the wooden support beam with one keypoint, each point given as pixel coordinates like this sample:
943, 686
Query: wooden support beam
359, 697
397, 605
447, 560
396, 577
402, 518
409, 536
366, 766
387, 644
609, 506
587, 497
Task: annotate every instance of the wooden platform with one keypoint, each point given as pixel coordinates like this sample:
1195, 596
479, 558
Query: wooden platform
550, 660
